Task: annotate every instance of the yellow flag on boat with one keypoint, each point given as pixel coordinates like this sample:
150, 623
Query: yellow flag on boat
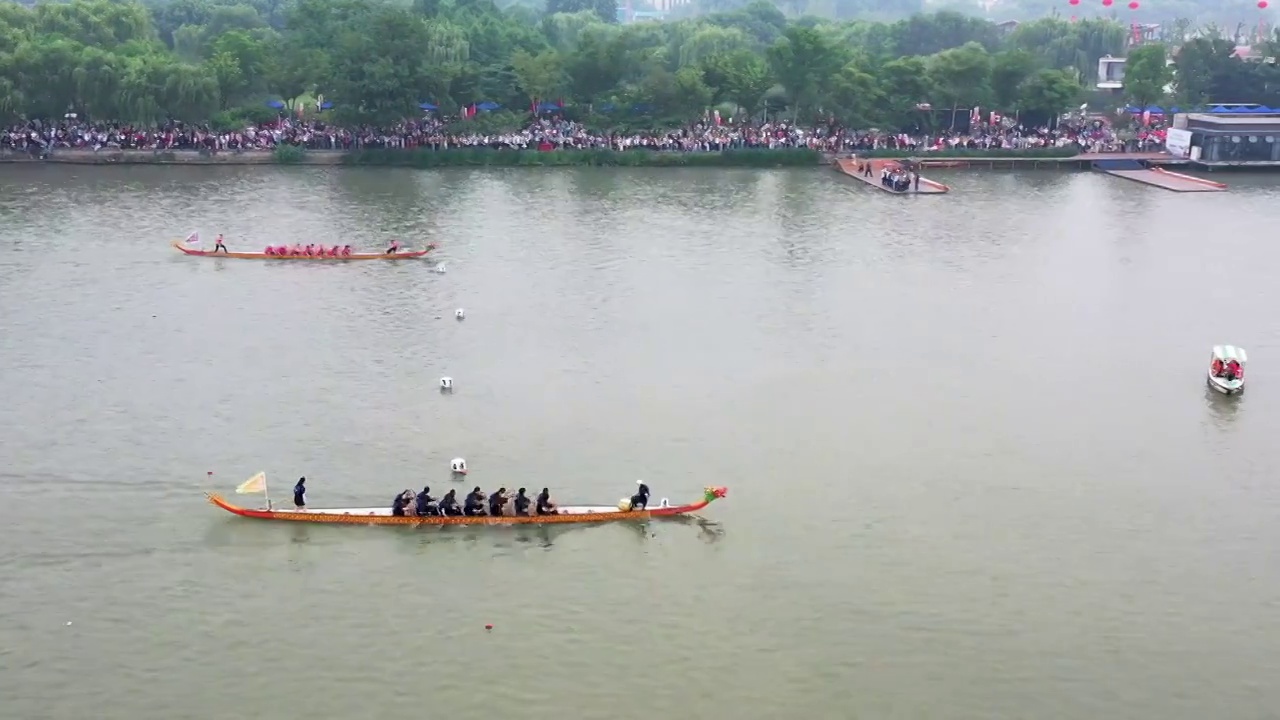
255, 484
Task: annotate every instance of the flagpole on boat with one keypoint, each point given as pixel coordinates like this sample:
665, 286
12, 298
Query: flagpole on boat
255, 484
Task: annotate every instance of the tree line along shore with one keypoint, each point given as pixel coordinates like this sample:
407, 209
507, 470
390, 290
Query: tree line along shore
218, 63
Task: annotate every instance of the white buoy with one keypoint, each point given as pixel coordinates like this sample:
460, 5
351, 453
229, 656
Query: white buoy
460, 313
440, 268
446, 383
458, 466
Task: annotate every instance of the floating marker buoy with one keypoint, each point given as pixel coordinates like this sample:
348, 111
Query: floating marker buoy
458, 466
440, 268
487, 626
460, 313
446, 383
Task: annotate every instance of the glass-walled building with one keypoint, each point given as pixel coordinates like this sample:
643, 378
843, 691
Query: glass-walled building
1225, 140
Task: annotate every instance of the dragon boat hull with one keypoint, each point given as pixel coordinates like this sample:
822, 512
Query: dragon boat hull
402, 255
383, 516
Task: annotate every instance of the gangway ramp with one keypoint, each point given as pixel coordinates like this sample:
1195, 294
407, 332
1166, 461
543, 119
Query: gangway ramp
1136, 171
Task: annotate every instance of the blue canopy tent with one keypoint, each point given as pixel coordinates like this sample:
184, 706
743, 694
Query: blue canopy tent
487, 106
427, 106
1218, 109
326, 105
277, 104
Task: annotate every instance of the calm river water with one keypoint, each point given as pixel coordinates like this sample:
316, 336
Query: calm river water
974, 470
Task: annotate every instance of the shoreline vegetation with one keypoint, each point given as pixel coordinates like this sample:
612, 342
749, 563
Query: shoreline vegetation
486, 157
222, 65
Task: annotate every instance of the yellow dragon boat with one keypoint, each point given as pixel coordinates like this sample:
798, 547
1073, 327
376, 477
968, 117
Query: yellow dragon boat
383, 516
399, 255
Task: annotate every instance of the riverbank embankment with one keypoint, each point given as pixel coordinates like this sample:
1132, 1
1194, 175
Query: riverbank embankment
1049, 159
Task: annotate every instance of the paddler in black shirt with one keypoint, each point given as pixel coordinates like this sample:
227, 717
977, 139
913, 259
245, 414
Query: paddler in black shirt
545, 506
449, 504
423, 502
398, 505
522, 503
474, 504
497, 501
640, 500
299, 494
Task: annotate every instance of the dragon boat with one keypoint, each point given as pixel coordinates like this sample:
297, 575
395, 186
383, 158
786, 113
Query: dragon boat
383, 516
400, 255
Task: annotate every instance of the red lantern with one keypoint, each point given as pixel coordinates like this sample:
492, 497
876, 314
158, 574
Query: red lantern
1073, 2
1133, 5
1262, 4
1107, 3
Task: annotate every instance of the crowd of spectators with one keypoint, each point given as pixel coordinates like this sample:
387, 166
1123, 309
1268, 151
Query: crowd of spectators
1088, 135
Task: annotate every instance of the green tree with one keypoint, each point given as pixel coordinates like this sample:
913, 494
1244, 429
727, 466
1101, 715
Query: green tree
597, 66
294, 71
856, 95
1009, 70
906, 84
803, 61
1146, 73
606, 10
1047, 94
741, 77
930, 34
540, 76
961, 77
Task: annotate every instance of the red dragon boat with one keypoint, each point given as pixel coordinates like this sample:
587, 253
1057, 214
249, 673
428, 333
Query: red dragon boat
399, 255
383, 516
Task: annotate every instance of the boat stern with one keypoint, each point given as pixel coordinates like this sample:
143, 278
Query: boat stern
1227, 387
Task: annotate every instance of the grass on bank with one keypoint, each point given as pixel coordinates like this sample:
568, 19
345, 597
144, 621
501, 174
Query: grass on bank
487, 157
1054, 152
747, 157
